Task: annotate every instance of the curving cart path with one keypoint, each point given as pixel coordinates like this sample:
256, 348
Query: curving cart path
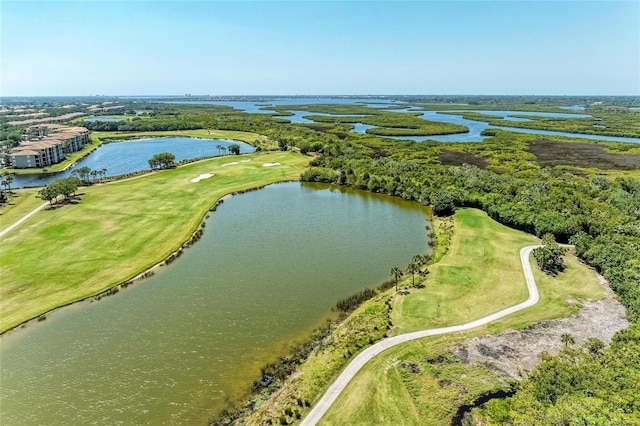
25, 217
350, 371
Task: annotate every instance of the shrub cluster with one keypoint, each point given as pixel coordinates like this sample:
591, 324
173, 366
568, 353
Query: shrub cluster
350, 303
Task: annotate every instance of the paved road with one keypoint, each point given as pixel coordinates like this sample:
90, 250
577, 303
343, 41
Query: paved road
341, 382
25, 217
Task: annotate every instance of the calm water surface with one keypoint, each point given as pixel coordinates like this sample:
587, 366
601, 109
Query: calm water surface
133, 156
104, 119
477, 127
178, 347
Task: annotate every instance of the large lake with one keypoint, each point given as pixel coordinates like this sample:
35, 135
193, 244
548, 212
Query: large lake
178, 347
133, 156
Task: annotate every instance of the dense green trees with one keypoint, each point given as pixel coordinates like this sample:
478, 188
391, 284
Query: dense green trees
6, 181
82, 173
164, 160
66, 187
234, 149
549, 256
588, 386
600, 215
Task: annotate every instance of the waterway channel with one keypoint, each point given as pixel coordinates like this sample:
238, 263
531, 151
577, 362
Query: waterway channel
475, 127
181, 345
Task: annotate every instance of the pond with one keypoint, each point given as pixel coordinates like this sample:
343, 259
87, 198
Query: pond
180, 346
127, 157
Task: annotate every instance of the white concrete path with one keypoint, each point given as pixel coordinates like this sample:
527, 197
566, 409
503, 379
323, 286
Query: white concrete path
341, 382
25, 217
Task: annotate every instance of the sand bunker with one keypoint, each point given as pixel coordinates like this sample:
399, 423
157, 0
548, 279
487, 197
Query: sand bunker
271, 164
202, 176
235, 162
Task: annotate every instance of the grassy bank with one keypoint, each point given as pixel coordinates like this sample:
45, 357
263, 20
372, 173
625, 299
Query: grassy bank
118, 230
246, 137
418, 382
480, 275
397, 391
19, 203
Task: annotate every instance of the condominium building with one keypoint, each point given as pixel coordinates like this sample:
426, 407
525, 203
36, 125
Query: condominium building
48, 144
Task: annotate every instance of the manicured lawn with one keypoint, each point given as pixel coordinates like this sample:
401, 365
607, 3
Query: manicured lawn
21, 202
480, 274
201, 133
385, 391
118, 230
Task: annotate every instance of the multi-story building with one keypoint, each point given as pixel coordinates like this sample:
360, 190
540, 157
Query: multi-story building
48, 144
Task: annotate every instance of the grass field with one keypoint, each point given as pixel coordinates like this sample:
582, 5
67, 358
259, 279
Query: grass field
115, 231
478, 276
20, 202
396, 394
201, 133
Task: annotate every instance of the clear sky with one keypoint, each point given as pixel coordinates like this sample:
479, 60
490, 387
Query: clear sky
138, 47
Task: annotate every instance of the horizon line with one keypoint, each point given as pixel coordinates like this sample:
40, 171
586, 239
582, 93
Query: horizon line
189, 95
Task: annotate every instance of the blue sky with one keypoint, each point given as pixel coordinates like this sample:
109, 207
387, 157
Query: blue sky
52, 48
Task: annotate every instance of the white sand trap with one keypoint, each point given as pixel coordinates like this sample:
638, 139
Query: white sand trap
202, 176
271, 164
235, 162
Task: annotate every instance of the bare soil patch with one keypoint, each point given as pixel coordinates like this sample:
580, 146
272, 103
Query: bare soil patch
513, 352
456, 158
552, 153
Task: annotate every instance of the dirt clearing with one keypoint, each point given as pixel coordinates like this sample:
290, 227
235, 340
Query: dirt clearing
513, 352
456, 158
552, 153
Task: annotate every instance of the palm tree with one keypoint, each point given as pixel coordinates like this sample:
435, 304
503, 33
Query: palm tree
414, 267
103, 173
567, 339
219, 148
3, 182
419, 259
8, 179
224, 149
94, 174
396, 273
594, 346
